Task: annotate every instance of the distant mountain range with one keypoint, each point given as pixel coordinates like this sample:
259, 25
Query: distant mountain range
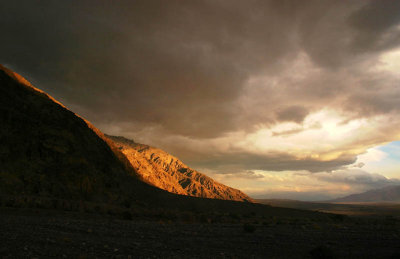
386, 194
167, 172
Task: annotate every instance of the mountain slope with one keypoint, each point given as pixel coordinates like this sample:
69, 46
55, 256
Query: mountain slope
169, 173
51, 156
387, 194
48, 150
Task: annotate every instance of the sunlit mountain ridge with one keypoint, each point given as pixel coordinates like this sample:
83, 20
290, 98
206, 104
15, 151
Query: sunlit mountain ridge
167, 172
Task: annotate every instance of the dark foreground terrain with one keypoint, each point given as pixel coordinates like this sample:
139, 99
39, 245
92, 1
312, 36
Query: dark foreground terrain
43, 233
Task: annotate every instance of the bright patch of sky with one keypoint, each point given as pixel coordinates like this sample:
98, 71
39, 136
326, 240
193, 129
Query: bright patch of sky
384, 160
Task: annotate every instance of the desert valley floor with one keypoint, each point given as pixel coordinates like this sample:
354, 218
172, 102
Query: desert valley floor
40, 233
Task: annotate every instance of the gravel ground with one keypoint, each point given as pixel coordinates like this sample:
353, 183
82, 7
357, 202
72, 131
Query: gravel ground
44, 234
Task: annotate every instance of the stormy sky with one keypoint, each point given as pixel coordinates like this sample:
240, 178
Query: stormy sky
291, 99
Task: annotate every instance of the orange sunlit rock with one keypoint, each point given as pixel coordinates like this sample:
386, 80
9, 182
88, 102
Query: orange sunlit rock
167, 172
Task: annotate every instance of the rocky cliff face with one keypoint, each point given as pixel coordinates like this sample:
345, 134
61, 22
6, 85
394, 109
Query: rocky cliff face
165, 171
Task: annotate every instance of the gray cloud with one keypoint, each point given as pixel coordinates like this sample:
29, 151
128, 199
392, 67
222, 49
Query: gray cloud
374, 24
377, 95
228, 162
288, 132
360, 165
242, 174
292, 113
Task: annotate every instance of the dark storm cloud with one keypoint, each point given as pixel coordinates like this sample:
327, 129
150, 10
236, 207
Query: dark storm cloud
375, 24
378, 95
268, 162
292, 113
180, 65
185, 68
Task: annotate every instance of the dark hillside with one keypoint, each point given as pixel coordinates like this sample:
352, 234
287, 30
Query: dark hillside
47, 150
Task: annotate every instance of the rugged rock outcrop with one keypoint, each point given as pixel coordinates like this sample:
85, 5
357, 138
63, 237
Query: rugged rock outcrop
167, 172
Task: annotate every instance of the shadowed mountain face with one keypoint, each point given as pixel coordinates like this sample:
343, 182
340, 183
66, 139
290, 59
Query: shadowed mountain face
387, 194
165, 171
47, 150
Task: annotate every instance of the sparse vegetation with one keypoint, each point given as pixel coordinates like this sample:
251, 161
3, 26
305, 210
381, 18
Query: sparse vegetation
126, 215
322, 252
338, 217
249, 228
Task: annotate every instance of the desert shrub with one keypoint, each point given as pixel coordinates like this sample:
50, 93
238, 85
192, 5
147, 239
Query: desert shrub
390, 220
203, 218
316, 226
234, 216
135, 212
187, 217
322, 252
126, 203
249, 228
81, 206
295, 221
250, 214
110, 212
126, 215
97, 209
66, 205
38, 203
10, 203
338, 217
